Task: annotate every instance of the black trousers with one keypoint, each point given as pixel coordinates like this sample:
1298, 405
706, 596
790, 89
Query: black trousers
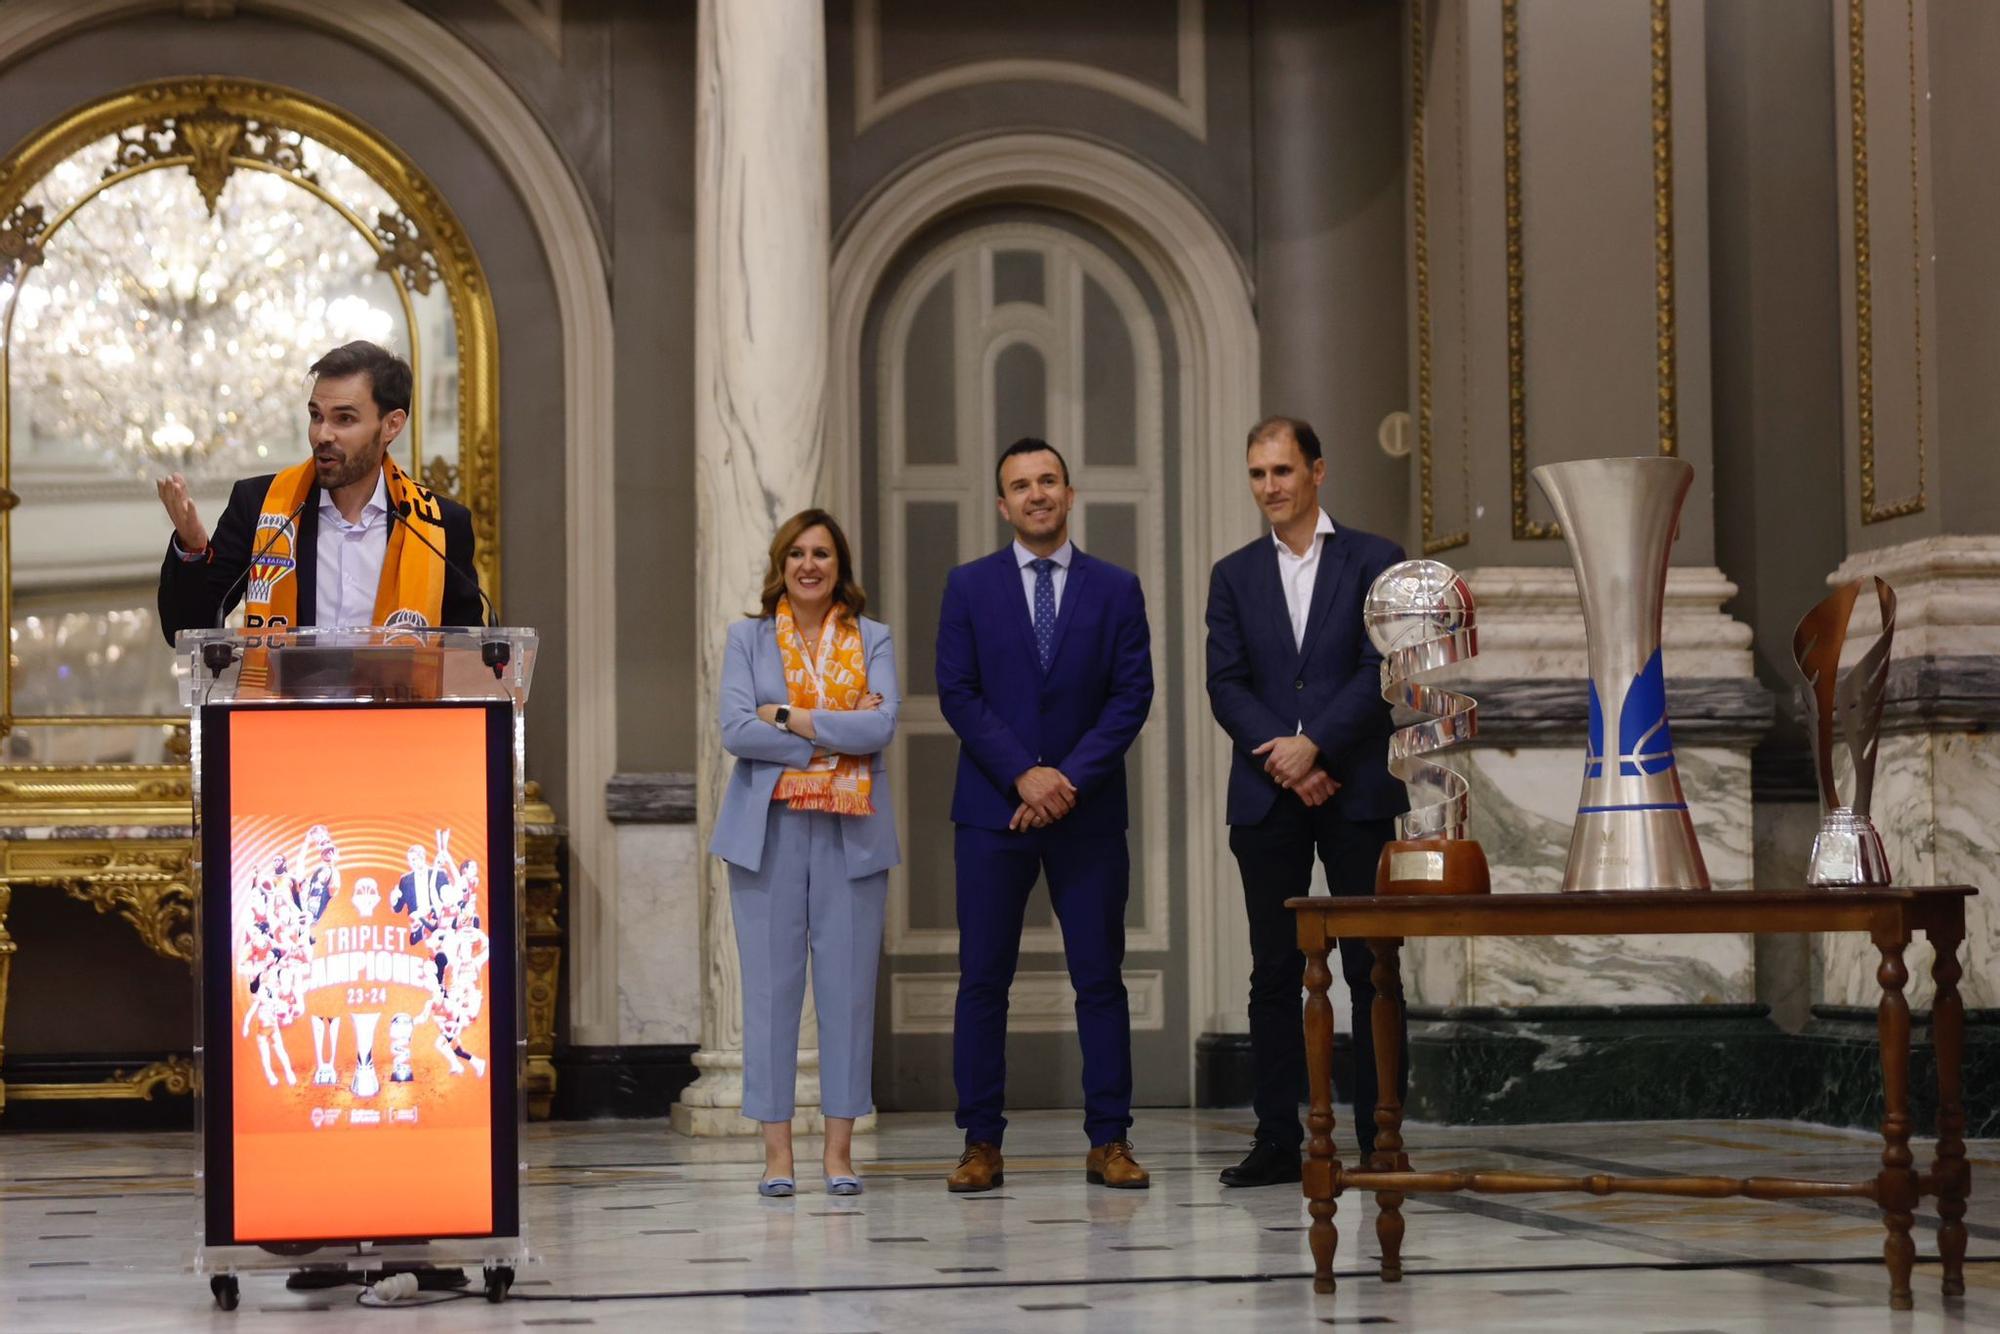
1275, 858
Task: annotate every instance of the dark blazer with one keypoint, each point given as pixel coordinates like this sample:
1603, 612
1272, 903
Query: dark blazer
191, 591
1080, 716
1262, 685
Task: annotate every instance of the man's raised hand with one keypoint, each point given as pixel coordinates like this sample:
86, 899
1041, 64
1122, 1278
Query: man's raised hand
188, 527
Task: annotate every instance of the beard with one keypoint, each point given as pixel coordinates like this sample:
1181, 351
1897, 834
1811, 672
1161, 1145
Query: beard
347, 469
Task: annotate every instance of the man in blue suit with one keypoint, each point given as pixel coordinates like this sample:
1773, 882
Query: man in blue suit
1045, 672
1294, 680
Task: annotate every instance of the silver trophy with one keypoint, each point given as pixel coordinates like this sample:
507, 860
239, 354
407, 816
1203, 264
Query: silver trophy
1632, 828
1421, 615
1847, 850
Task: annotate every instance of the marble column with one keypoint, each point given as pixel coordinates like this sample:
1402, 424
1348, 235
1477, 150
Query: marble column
761, 255
1920, 298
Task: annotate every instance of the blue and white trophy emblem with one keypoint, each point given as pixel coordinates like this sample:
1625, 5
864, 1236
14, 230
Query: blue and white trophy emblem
1632, 828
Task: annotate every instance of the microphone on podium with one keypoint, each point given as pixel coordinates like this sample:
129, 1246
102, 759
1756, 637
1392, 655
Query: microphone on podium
495, 653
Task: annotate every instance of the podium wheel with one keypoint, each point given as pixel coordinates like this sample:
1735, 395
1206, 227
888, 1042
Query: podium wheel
227, 1294
499, 1278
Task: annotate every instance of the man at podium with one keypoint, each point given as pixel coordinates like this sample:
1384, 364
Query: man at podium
345, 538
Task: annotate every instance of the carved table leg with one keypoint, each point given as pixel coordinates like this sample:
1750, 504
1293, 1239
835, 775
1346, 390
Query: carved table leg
1953, 1174
1322, 1168
6, 967
1896, 1183
1389, 1154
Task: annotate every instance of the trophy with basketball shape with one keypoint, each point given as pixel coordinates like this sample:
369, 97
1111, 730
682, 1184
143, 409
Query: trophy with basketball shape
1420, 614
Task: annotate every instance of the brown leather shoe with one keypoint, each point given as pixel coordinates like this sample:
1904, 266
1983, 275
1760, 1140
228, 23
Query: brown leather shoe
1113, 1165
979, 1168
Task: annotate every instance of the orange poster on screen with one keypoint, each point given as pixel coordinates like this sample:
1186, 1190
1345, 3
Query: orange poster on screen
360, 1038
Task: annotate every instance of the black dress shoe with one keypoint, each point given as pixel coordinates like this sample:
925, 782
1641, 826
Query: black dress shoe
1268, 1164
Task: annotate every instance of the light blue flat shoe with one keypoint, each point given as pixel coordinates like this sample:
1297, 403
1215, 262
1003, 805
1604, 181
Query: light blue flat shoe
843, 1185
777, 1188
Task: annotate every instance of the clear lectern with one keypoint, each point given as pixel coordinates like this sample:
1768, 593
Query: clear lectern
357, 802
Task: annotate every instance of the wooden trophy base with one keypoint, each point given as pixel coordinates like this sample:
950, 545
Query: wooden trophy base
1432, 866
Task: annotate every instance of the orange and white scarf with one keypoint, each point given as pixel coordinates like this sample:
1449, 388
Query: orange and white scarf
836, 678
412, 589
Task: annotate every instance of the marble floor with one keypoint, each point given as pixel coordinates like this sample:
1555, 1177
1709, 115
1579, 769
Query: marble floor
637, 1228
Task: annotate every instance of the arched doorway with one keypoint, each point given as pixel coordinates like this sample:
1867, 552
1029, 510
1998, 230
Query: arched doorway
1194, 290
1002, 323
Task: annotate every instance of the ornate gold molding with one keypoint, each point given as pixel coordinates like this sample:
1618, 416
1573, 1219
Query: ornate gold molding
539, 992
1433, 541
1663, 226
542, 950
174, 1076
161, 912
211, 143
149, 882
1864, 297
21, 231
405, 251
95, 794
1525, 529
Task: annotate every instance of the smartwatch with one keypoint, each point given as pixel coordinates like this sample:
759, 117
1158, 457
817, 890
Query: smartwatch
784, 718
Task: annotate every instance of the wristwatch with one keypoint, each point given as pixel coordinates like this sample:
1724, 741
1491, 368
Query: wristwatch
784, 718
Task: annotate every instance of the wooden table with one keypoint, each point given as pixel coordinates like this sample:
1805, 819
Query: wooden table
1889, 915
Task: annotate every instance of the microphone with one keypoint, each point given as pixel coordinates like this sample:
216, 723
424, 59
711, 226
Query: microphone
495, 653
216, 656
403, 511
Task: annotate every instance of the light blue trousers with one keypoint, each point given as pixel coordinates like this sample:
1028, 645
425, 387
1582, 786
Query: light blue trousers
799, 902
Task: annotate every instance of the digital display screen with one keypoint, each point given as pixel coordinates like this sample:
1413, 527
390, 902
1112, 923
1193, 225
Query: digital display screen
358, 931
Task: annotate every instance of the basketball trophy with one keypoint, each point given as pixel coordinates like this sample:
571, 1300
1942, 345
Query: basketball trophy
1847, 850
366, 1082
1420, 614
326, 1046
1619, 517
401, 1027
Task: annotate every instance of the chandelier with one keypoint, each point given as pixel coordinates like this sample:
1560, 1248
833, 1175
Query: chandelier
161, 332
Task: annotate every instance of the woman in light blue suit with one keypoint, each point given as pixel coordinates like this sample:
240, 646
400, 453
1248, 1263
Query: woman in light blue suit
809, 703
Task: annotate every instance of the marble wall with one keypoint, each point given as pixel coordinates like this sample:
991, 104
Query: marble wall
1936, 796
1937, 775
659, 934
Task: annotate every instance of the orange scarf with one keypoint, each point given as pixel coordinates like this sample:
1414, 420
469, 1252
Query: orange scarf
412, 589
837, 679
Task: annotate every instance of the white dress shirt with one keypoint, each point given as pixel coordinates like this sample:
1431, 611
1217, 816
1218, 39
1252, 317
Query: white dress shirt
1062, 556
1298, 574
350, 560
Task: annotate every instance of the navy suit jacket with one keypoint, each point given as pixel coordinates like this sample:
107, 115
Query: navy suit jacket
191, 590
1080, 716
1261, 684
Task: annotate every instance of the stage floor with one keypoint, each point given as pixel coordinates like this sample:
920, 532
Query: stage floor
96, 1232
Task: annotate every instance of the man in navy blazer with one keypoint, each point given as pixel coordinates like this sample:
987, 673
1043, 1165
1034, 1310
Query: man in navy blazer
1045, 672
1295, 682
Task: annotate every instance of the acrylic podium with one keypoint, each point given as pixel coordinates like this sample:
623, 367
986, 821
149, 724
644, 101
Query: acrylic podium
357, 805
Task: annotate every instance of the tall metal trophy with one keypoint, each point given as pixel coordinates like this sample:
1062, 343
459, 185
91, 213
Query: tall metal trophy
1847, 850
1632, 828
1420, 614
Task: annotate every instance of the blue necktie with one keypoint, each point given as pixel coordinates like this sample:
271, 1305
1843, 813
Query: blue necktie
1045, 610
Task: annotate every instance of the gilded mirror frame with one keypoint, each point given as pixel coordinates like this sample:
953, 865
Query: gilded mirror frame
213, 127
